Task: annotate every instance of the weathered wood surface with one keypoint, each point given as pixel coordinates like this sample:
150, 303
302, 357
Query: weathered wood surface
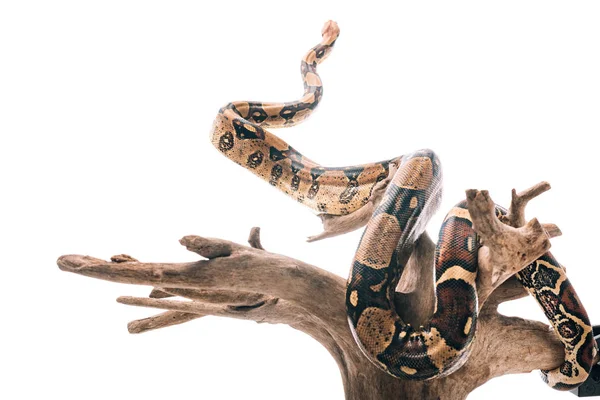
251, 283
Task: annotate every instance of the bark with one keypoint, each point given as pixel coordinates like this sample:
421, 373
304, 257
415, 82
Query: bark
251, 283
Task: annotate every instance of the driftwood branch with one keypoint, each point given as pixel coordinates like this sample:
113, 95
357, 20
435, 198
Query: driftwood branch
516, 212
250, 283
254, 238
163, 320
506, 249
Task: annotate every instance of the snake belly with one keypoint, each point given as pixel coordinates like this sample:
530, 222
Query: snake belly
442, 346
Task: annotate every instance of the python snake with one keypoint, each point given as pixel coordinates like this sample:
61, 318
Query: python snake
410, 199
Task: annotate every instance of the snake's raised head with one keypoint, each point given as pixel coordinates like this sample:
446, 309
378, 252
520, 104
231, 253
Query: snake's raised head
330, 32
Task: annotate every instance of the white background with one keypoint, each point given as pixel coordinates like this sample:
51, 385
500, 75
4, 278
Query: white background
105, 109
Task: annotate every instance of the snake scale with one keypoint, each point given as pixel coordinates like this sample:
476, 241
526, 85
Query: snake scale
411, 197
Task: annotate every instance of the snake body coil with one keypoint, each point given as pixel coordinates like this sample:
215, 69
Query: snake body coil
410, 199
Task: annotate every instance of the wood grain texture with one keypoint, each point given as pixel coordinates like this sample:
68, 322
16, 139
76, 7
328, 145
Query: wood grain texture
238, 281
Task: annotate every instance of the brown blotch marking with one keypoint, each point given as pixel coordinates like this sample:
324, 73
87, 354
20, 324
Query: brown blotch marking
372, 173
354, 298
567, 369
549, 303
448, 250
408, 370
377, 287
226, 142
349, 192
416, 173
457, 272
438, 350
255, 159
459, 213
468, 326
331, 184
373, 251
375, 329
414, 202
455, 302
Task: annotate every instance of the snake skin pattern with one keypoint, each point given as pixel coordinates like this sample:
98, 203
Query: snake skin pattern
442, 346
